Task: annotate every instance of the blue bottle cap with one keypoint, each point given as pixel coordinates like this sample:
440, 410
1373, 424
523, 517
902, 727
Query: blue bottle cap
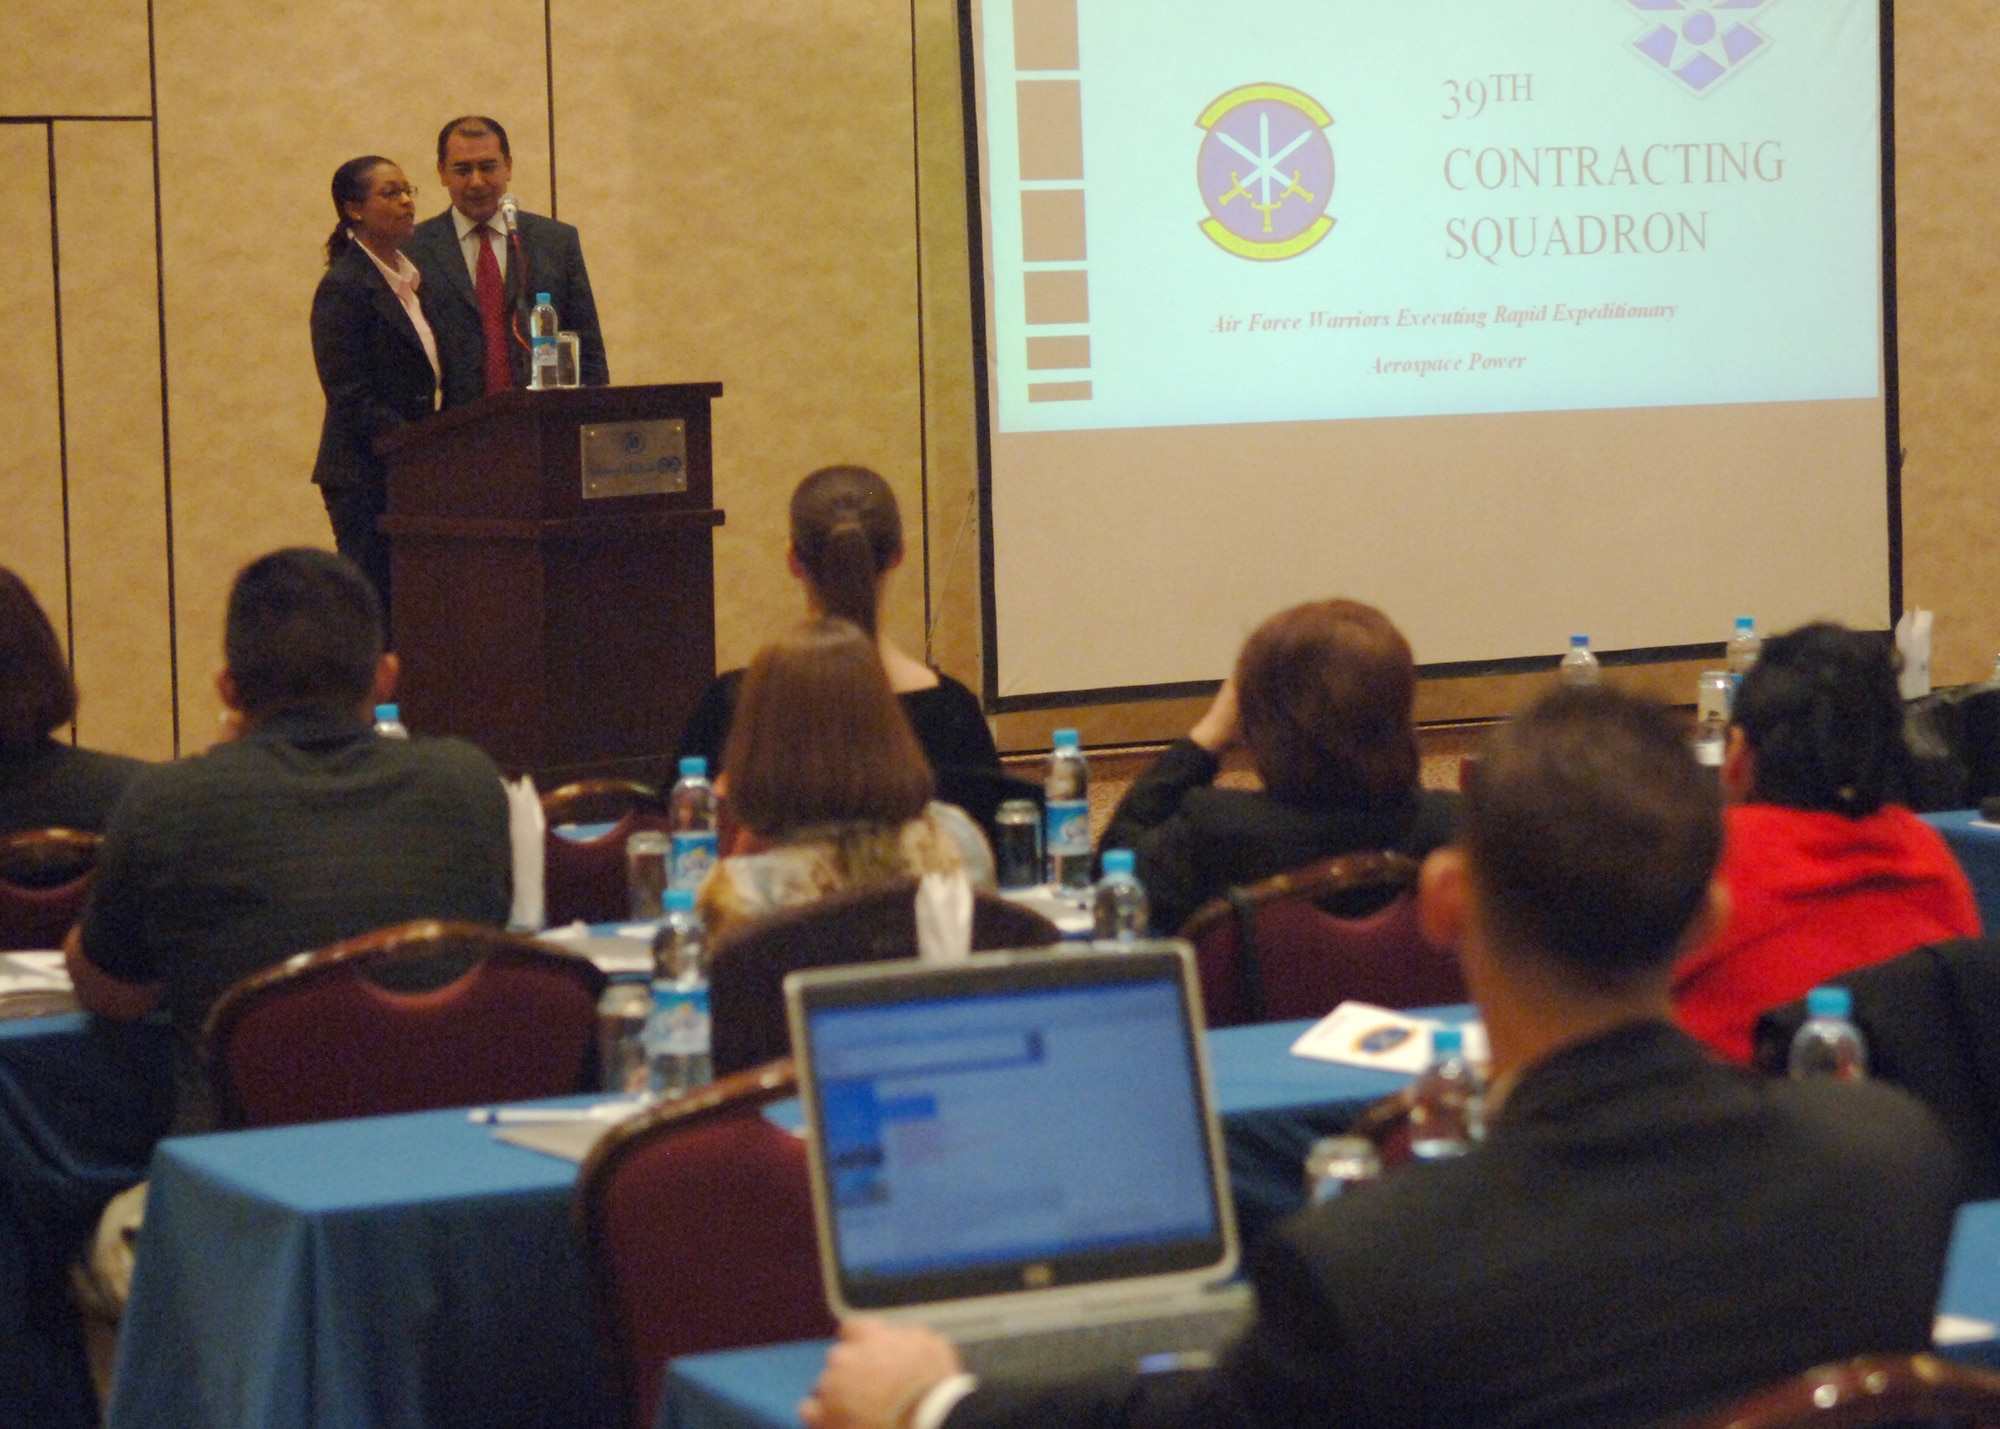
1447, 1041
1745, 625
1065, 739
694, 767
1118, 860
386, 712
1830, 1001
679, 900
1579, 642
541, 297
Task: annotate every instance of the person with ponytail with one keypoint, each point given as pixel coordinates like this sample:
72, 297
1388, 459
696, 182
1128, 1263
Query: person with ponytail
847, 536
375, 352
1825, 872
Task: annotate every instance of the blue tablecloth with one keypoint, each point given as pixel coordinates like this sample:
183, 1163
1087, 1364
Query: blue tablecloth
82, 1102
407, 1271
1977, 846
761, 1388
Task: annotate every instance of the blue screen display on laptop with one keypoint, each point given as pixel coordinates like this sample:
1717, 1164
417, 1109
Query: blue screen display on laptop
1007, 1127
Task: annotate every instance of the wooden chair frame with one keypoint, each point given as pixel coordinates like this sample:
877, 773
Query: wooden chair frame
37, 848
585, 801
1869, 1390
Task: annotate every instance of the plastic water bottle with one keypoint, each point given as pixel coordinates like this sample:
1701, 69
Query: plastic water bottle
542, 329
622, 1014
1828, 1044
1711, 718
1444, 1110
389, 723
1068, 806
1744, 648
691, 816
1121, 901
677, 1033
1579, 666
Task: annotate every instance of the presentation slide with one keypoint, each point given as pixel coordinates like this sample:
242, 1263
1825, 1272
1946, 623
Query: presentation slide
1516, 319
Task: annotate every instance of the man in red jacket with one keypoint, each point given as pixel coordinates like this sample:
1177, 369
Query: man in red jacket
1824, 874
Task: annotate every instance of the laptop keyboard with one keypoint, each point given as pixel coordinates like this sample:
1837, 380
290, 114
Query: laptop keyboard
1191, 1341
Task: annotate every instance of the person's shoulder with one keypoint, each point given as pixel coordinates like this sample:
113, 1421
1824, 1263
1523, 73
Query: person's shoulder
1864, 1132
454, 757
431, 230
540, 225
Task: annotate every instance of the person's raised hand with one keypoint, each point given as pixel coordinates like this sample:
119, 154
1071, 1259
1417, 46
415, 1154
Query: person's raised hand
1221, 728
876, 1375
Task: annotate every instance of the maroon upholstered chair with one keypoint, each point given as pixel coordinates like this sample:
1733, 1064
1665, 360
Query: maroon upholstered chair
698, 1220
585, 878
1271, 952
748, 966
44, 875
1871, 1390
475, 1015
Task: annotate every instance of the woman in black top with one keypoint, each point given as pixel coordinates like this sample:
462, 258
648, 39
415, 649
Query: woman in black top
45, 784
1321, 696
847, 535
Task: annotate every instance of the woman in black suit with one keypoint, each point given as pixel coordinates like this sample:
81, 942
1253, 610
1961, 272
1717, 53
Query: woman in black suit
376, 356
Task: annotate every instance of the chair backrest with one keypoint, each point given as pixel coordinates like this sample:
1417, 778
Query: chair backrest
585, 878
44, 875
1870, 1390
600, 801
1281, 948
410, 1018
747, 977
698, 1221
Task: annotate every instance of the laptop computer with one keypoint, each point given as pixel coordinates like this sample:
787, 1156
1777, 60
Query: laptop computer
1020, 1151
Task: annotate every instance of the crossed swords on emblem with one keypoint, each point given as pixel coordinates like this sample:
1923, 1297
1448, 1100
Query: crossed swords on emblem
1265, 172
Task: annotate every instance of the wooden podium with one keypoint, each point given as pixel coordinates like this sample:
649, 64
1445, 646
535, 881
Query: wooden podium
553, 575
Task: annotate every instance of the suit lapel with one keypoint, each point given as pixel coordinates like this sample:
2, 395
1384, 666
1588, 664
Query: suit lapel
448, 256
390, 306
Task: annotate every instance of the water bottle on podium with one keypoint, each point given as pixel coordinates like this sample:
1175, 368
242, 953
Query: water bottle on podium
1828, 1044
691, 813
542, 331
677, 1034
1068, 805
1579, 666
1121, 901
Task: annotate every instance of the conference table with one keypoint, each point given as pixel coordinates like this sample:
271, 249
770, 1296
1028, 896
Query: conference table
761, 1388
412, 1271
1976, 844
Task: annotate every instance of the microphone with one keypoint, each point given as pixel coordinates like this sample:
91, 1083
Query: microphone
507, 213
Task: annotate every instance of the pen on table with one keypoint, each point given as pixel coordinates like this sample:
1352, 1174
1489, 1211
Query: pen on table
520, 1115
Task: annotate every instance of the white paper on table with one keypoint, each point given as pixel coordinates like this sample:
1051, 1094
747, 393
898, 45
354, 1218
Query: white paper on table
1961, 1330
1913, 639
1359, 1034
33, 972
525, 830
944, 918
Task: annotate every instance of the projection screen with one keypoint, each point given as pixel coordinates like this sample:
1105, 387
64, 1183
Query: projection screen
1515, 319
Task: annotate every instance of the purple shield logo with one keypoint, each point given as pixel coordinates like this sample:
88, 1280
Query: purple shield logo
1265, 170
1701, 42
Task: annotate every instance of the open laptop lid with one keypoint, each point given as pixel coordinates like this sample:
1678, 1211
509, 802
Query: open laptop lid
1019, 1125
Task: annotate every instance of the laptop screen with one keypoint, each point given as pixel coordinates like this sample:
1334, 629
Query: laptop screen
982, 1135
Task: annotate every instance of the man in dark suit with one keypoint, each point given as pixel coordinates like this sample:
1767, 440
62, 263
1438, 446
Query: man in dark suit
1644, 1234
475, 292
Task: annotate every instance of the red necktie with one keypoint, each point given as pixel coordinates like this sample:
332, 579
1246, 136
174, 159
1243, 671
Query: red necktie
492, 291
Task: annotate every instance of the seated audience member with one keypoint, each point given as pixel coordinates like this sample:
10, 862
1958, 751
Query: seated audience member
1644, 1234
44, 783
847, 536
305, 829
828, 785
1825, 876
1321, 696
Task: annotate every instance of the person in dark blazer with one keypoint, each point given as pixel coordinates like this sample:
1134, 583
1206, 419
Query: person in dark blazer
1644, 1234
45, 783
480, 314
377, 358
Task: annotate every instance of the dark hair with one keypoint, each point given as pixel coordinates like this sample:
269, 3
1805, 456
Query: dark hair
1822, 713
846, 532
37, 693
474, 126
304, 628
1326, 691
819, 738
1592, 834
351, 183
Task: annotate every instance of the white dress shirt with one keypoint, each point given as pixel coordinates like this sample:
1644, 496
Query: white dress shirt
403, 280
468, 243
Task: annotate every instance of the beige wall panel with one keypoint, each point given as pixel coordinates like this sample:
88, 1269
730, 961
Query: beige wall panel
1948, 272
248, 147
948, 372
742, 175
75, 57
111, 383
31, 536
